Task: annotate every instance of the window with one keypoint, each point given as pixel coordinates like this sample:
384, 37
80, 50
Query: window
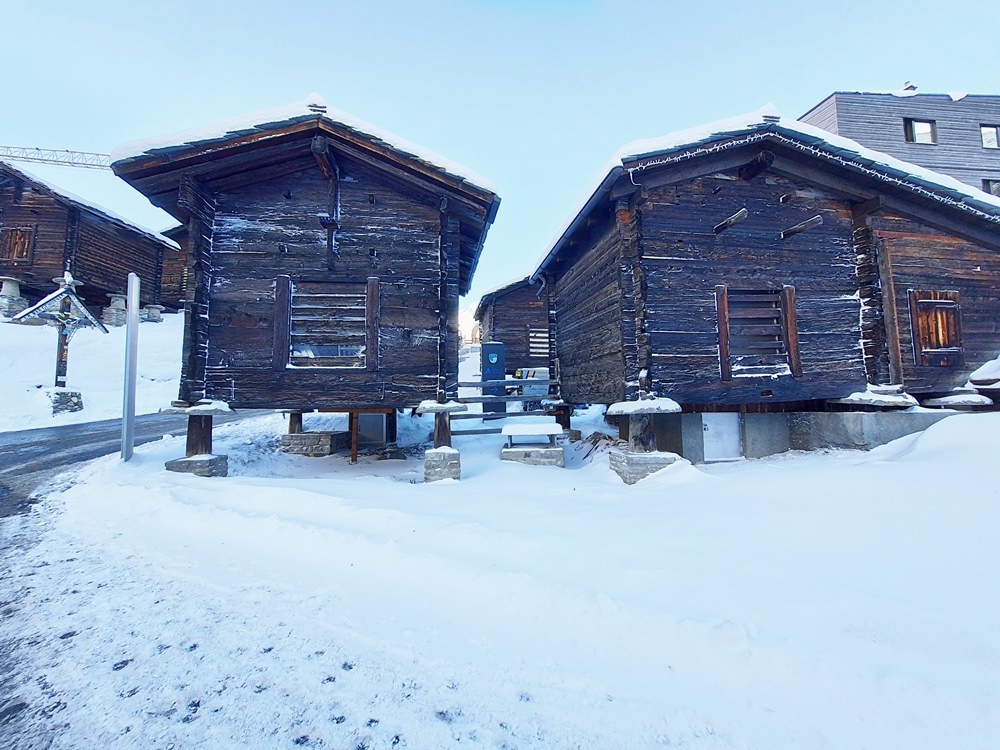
920, 131
991, 135
936, 326
321, 324
758, 336
17, 243
538, 342
992, 187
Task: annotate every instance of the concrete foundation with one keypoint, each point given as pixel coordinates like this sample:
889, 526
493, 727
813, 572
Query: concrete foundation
65, 402
442, 463
542, 455
632, 467
315, 444
768, 434
204, 465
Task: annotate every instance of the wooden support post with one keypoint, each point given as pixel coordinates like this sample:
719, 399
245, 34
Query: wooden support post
199, 435
640, 433
294, 422
352, 421
442, 429
390, 427
562, 415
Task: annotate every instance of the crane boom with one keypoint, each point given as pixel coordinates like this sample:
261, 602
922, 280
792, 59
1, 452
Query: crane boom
84, 159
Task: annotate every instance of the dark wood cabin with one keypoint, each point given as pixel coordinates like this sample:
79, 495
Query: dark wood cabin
764, 265
44, 232
325, 261
517, 315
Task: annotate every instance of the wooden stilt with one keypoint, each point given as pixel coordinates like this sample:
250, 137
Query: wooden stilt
199, 435
442, 429
294, 422
352, 421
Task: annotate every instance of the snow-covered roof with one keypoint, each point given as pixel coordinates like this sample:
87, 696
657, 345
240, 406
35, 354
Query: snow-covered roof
767, 122
88, 205
312, 107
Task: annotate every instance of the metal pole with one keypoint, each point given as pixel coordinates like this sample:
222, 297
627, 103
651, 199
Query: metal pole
131, 362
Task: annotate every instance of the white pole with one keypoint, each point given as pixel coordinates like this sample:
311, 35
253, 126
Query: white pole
131, 363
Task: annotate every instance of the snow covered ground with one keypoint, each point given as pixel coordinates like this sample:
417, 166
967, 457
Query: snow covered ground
829, 600
96, 367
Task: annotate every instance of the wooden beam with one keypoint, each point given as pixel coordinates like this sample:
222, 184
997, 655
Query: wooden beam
282, 322
756, 166
722, 315
870, 206
372, 312
802, 226
199, 435
890, 315
732, 221
320, 149
688, 169
790, 330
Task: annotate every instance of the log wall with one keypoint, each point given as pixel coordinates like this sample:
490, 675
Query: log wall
684, 261
510, 317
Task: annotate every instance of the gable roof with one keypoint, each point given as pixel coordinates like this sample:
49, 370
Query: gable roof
66, 197
767, 126
498, 291
266, 144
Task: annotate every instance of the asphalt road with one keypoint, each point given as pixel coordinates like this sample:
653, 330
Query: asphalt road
30, 458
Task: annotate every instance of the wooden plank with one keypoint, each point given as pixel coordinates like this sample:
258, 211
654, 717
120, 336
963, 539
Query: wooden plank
883, 255
483, 431
722, 314
282, 322
790, 331
372, 324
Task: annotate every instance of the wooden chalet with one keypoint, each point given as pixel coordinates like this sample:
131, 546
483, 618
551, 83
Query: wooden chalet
517, 315
325, 259
763, 265
45, 231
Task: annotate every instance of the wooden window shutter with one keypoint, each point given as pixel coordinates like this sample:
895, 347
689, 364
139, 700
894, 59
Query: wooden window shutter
371, 324
282, 322
936, 328
722, 311
790, 330
17, 243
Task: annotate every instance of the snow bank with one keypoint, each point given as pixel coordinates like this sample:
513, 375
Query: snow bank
96, 369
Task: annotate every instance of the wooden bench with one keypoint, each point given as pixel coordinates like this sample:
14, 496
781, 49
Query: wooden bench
512, 431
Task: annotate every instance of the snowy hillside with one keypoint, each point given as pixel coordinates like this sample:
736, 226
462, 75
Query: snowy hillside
829, 600
96, 368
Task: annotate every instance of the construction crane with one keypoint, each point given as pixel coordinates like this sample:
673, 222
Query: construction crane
67, 158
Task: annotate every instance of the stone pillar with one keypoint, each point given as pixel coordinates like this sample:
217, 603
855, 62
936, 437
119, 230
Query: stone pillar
199, 458
641, 459
443, 461
11, 301
151, 313
115, 315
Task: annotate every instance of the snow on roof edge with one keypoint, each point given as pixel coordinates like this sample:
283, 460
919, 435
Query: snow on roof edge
313, 105
90, 205
766, 116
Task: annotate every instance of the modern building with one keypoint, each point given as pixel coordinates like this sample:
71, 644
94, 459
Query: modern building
954, 134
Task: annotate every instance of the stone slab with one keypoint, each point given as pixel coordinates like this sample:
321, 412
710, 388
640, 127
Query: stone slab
534, 455
315, 444
442, 463
632, 467
205, 465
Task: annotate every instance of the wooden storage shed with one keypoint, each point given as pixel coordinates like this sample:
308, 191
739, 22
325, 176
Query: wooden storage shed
326, 259
763, 265
517, 315
45, 231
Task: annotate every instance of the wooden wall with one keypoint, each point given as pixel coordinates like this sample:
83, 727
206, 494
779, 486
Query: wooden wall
922, 258
588, 323
508, 319
684, 260
270, 229
98, 252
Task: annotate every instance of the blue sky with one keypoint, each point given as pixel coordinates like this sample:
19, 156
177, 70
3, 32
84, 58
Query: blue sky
536, 96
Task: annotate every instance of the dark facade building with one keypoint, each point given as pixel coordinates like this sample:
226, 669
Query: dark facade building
954, 134
759, 265
45, 231
517, 315
325, 259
